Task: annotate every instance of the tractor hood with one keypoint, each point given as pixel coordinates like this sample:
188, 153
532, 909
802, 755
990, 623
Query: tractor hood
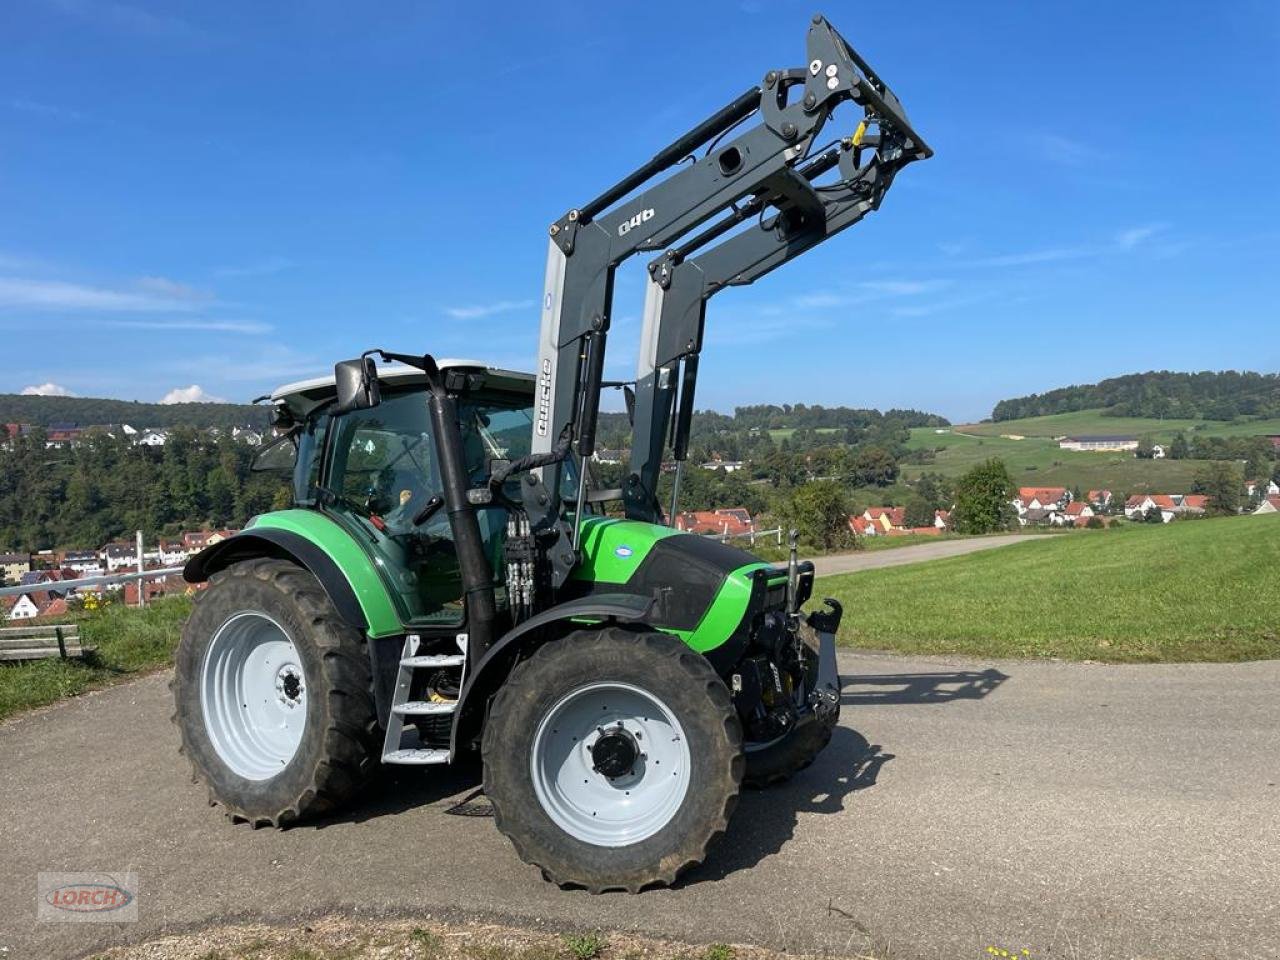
707, 592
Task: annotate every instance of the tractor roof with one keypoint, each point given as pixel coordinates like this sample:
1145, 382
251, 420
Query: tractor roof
305, 394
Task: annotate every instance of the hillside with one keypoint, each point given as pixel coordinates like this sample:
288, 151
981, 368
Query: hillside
1190, 591
1096, 421
1207, 395
1036, 459
88, 411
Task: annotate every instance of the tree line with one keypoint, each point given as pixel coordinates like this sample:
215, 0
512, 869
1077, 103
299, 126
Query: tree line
1163, 394
92, 411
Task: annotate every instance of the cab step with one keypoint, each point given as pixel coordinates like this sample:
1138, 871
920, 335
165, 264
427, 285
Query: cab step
401, 744
420, 757
434, 660
425, 708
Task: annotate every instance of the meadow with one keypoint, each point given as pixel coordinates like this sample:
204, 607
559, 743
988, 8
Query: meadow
1192, 590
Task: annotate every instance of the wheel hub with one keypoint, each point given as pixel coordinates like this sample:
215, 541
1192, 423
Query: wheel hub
615, 752
289, 685
610, 764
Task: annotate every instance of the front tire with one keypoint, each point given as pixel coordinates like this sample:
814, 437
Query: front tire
273, 696
613, 759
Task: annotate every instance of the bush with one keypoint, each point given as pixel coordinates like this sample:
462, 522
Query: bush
820, 511
984, 499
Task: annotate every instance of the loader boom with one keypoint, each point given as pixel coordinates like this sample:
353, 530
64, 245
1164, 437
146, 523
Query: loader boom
767, 170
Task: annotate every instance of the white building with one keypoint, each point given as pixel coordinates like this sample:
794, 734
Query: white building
24, 609
1099, 444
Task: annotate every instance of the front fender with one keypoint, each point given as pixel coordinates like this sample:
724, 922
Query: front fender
492, 669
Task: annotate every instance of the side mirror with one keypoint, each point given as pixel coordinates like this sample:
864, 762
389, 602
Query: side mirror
357, 383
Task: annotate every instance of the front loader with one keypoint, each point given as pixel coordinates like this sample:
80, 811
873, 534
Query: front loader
449, 583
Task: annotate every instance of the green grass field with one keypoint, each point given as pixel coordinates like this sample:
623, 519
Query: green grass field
1093, 421
1037, 461
1188, 591
128, 641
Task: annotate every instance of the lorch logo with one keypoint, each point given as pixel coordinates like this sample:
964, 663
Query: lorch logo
87, 897
644, 216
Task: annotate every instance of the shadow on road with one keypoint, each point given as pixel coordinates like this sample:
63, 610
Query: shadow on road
399, 789
765, 820
919, 688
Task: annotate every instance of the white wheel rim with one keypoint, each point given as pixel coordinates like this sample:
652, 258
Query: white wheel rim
585, 803
253, 695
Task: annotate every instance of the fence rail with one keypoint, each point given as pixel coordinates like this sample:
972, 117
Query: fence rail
61, 586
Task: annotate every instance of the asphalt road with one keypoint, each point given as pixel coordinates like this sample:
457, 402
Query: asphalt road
916, 553
1075, 810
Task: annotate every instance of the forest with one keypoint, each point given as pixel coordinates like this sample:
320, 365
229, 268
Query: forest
105, 488
1208, 395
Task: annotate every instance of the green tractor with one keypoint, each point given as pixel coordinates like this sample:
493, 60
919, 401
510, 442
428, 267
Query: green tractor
450, 583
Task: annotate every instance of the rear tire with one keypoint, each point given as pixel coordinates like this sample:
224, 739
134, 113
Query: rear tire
273, 696
577, 750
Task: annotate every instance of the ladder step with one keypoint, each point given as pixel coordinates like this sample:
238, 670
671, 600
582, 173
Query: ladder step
424, 708
419, 757
434, 660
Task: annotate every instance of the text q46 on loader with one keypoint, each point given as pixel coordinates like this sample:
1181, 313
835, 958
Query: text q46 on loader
448, 580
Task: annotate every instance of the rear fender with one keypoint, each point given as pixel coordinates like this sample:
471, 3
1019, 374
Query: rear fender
317, 543
283, 545
491, 671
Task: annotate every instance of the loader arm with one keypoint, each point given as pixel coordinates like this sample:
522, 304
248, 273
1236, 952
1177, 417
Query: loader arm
761, 164
787, 225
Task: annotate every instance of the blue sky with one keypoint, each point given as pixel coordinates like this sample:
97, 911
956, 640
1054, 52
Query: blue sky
229, 196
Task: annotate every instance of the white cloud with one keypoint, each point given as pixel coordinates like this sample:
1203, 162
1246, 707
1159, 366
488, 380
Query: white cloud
192, 394
164, 287
182, 323
1128, 239
59, 295
49, 389
478, 311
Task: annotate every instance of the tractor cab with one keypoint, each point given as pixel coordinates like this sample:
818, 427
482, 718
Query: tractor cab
374, 469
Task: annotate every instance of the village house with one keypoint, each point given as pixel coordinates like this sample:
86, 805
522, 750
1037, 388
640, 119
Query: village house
13, 566
172, 554
1137, 506
725, 522
1191, 503
862, 527
886, 519
84, 562
1046, 502
196, 540
59, 435
27, 606
728, 466
119, 556
153, 438
1078, 512
1099, 443
1100, 499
